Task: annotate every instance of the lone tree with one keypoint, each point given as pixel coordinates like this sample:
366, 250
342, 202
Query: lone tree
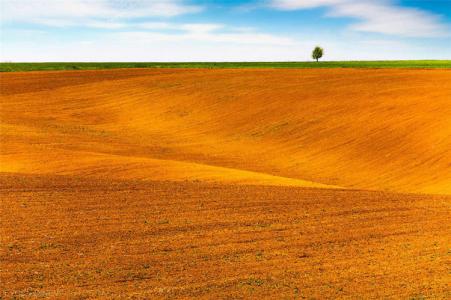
317, 53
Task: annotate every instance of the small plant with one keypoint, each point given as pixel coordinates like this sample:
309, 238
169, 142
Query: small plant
252, 282
317, 53
45, 246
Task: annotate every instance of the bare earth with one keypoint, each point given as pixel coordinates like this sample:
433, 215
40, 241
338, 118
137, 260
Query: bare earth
222, 183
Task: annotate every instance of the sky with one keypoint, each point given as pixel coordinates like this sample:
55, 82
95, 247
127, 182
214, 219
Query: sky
229, 30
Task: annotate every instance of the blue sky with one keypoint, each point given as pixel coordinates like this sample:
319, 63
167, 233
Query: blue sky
232, 30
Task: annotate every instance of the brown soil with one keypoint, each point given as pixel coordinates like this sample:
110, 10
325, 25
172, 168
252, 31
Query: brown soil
225, 184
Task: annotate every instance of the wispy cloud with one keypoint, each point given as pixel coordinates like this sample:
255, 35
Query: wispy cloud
377, 16
201, 32
78, 11
101, 24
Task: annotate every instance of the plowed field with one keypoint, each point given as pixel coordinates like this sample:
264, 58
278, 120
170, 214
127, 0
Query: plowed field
226, 183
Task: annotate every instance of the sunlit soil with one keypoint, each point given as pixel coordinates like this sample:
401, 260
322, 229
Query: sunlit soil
225, 183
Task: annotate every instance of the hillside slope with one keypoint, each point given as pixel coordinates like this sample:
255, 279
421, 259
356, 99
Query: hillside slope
366, 129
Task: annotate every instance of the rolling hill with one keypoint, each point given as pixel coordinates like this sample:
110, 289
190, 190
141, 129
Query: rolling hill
225, 184
360, 129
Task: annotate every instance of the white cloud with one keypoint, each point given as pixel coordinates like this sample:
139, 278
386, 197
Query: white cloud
201, 28
54, 22
78, 11
204, 33
105, 24
301, 4
155, 25
192, 27
198, 32
378, 16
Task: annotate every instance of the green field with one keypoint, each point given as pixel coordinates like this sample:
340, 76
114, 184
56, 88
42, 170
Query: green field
423, 64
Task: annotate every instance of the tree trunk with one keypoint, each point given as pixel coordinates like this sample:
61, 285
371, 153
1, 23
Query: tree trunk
317, 59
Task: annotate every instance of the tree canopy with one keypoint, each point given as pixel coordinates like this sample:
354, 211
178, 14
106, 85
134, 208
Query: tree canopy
317, 53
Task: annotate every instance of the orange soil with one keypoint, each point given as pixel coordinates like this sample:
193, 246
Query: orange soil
68, 237
370, 129
219, 183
